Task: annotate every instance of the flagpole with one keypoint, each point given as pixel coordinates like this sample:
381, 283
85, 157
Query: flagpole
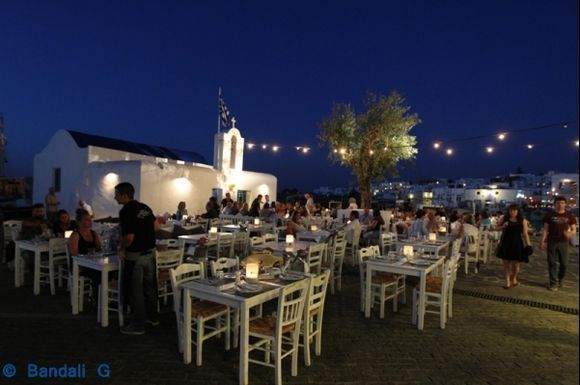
219, 112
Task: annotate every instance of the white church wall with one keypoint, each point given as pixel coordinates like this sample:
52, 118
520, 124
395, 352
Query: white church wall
163, 188
60, 152
103, 177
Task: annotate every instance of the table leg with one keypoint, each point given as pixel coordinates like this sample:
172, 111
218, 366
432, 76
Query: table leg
104, 298
37, 272
186, 327
75, 288
244, 341
421, 312
367, 292
17, 266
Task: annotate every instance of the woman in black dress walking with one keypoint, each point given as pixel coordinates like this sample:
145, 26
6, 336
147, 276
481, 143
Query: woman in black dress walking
513, 240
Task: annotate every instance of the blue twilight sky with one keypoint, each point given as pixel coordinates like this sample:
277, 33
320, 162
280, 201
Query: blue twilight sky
149, 71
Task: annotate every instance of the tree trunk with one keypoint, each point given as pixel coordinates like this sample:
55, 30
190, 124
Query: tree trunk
364, 186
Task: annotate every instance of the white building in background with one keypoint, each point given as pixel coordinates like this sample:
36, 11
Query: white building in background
83, 166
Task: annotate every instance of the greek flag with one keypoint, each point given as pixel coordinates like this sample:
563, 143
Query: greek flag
224, 121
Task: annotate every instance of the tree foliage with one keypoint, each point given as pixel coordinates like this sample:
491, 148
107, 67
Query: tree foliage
372, 142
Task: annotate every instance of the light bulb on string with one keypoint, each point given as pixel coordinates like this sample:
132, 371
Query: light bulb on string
275, 148
251, 145
530, 146
489, 150
501, 135
264, 146
449, 151
436, 145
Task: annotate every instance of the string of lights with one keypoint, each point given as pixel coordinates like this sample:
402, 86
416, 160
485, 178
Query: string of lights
445, 145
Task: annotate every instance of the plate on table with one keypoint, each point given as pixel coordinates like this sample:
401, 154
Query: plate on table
430, 257
249, 287
291, 277
420, 262
230, 275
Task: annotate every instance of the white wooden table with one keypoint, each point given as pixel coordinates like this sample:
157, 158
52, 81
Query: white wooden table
313, 236
38, 247
438, 247
282, 247
231, 299
104, 264
401, 268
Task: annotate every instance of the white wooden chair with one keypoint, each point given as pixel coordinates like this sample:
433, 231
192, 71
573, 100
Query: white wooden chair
336, 261
383, 286
387, 242
241, 244
314, 314
438, 294
166, 260
471, 253
314, 257
201, 311
11, 230
115, 297
352, 248
225, 247
255, 241
224, 264
52, 268
279, 336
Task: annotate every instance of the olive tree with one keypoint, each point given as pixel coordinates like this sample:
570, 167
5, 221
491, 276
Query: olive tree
372, 142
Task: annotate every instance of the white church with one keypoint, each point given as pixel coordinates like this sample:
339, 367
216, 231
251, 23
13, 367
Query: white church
87, 167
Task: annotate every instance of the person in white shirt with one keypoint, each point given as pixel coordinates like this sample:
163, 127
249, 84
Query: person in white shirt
419, 228
309, 204
352, 228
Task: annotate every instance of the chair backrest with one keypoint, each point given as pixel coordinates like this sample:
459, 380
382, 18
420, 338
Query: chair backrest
224, 264
338, 252
317, 294
456, 246
225, 245
181, 274
376, 250
365, 254
11, 230
387, 241
339, 236
241, 242
291, 305
57, 248
471, 244
450, 272
255, 241
168, 259
314, 258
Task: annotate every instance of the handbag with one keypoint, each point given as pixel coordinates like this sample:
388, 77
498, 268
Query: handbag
528, 250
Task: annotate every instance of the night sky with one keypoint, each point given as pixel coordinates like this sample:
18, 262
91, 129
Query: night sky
149, 71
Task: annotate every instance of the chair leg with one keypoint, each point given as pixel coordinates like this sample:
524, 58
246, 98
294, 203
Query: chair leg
199, 347
228, 328
295, 339
395, 299
306, 340
51, 278
278, 363
382, 298
318, 328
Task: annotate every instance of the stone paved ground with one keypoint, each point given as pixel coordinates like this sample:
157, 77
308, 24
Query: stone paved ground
486, 342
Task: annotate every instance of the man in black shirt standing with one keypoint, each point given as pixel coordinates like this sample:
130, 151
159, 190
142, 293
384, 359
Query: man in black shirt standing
138, 226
